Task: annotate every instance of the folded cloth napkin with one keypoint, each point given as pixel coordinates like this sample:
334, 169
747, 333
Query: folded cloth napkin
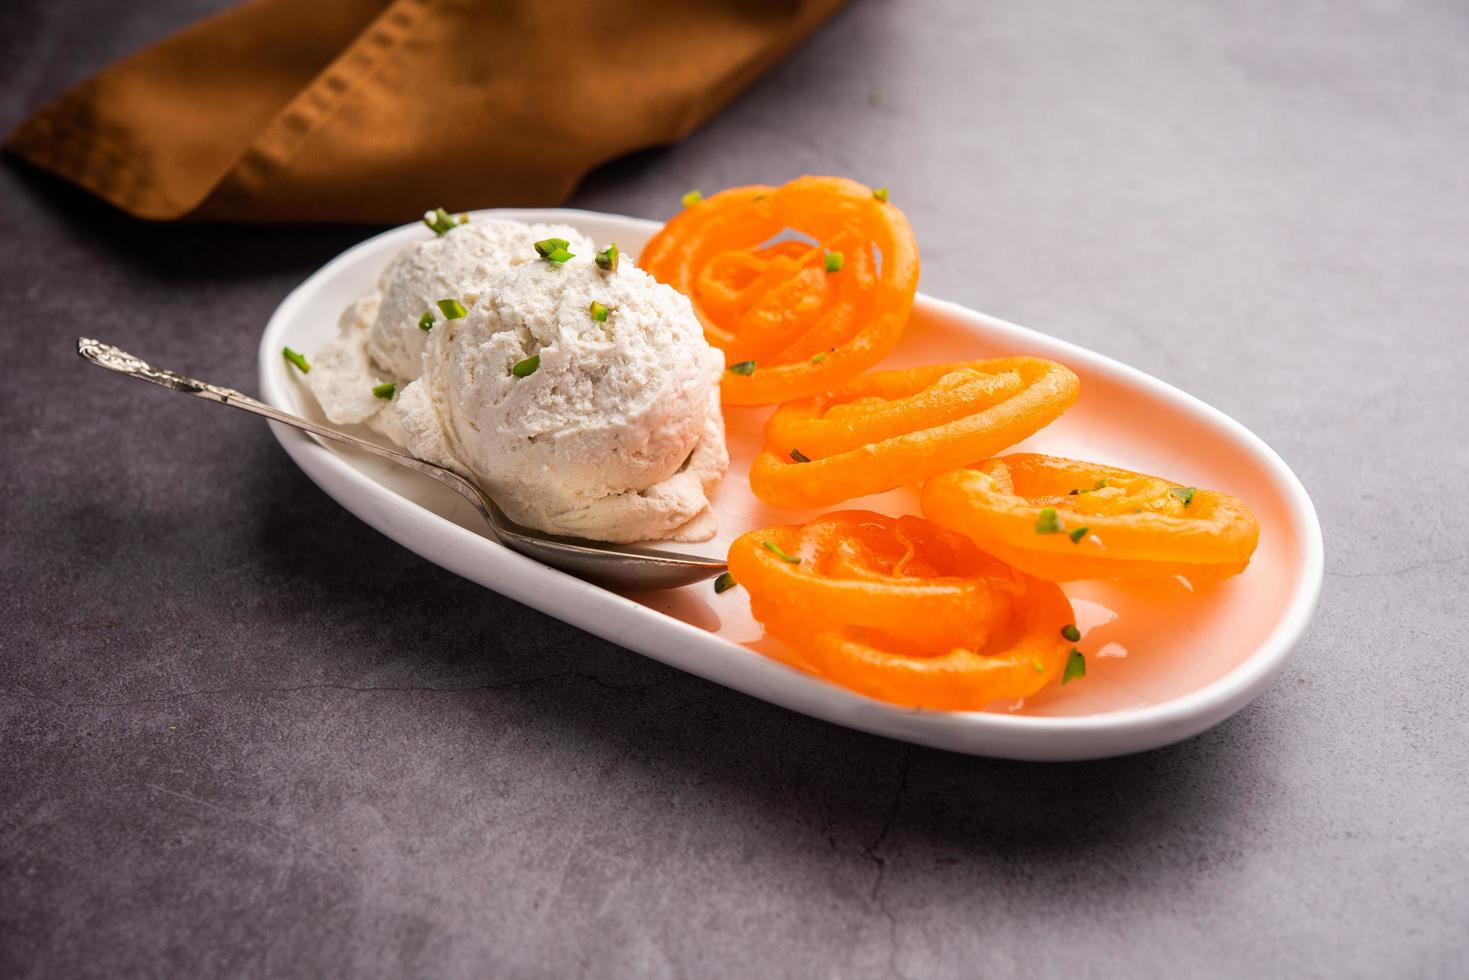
370, 110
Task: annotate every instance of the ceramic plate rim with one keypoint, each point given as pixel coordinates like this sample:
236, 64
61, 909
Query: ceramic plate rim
1131, 729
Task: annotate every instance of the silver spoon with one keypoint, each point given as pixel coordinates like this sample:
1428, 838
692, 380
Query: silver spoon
621, 566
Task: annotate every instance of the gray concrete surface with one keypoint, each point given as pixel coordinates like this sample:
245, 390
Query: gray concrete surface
241, 734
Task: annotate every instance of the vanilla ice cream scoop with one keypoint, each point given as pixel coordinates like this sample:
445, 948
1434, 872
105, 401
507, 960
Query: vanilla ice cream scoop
453, 265
379, 338
599, 428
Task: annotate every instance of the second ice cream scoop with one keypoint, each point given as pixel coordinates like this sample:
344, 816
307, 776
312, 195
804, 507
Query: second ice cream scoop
585, 400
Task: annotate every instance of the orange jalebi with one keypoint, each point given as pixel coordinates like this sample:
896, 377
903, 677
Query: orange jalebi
901, 610
886, 429
1062, 519
793, 318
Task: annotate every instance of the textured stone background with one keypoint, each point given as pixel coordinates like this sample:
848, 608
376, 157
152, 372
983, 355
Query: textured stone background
243, 734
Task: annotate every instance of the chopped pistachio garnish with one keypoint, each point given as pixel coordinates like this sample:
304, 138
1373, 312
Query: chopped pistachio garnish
881, 193
598, 312
799, 456
1077, 534
1186, 494
834, 261
441, 222
426, 322
607, 258
1048, 522
1075, 666
385, 390
527, 367
452, 309
1070, 632
1035, 662
555, 250
818, 358
744, 367
779, 552
297, 359
691, 198
1099, 485
724, 583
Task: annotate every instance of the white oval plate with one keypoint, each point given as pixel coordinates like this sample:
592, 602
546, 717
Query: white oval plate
1164, 662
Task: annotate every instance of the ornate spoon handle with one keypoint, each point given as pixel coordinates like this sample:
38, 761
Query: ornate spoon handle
114, 359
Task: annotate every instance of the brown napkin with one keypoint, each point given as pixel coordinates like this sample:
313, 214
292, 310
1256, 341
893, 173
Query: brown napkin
368, 110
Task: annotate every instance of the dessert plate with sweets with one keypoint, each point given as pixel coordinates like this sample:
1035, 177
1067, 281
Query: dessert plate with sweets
940, 527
